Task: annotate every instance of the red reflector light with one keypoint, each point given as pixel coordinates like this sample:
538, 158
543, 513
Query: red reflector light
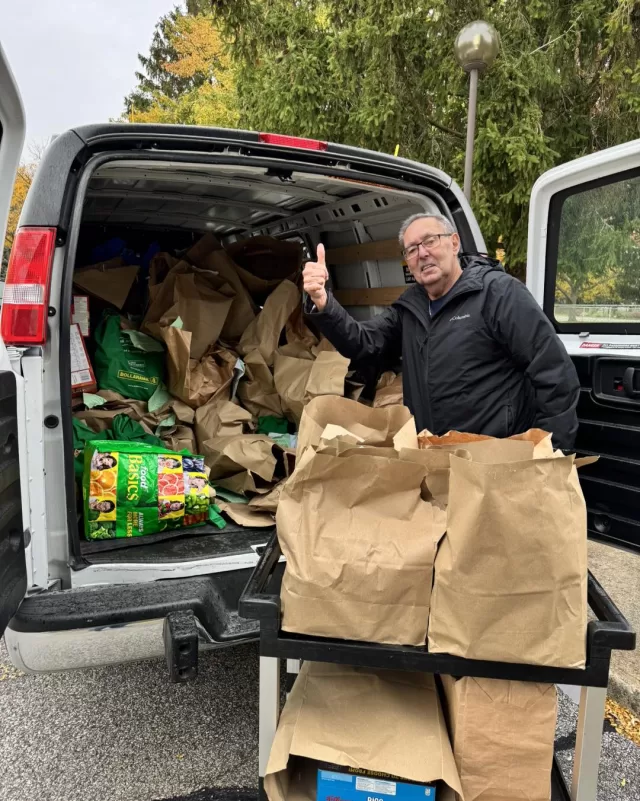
292, 141
25, 301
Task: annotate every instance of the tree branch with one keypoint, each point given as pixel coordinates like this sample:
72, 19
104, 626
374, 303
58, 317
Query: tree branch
560, 289
444, 128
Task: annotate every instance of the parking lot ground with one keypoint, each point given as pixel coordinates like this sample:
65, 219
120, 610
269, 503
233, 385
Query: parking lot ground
125, 733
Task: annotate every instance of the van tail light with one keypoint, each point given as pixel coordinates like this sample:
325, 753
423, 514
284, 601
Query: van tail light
25, 300
292, 141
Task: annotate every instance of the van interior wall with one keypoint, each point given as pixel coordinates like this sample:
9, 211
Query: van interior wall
344, 217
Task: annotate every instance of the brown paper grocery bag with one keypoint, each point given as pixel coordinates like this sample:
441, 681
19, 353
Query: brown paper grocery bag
101, 417
373, 426
540, 440
159, 267
227, 456
389, 390
327, 376
299, 380
360, 544
263, 334
290, 376
436, 464
502, 733
220, 418
267, 257
200, 298
258, 288
179, 438
245, 483
245, 515
196, 381
268, 502
208, 254
110, 280
511, 573
256, 390
300, 339
184, 413
386, 721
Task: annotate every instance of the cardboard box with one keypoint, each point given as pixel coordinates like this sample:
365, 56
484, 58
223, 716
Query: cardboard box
80, 313
351, 784
83, 378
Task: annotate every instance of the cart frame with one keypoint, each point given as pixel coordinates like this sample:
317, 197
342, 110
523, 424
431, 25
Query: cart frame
610, 631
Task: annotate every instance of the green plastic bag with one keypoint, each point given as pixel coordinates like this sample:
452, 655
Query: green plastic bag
272, 425
81, 435
131, 489
126, 361
123, 428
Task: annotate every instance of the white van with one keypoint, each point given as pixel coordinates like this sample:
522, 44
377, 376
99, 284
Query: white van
65, 603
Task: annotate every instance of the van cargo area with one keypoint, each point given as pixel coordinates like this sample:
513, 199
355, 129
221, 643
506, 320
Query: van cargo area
135, 211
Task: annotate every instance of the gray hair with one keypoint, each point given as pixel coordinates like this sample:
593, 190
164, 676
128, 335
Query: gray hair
423, 215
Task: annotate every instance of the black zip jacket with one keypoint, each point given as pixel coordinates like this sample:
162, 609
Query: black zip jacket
488, 362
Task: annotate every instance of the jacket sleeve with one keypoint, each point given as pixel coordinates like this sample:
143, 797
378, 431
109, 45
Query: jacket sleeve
354, 339
522, 327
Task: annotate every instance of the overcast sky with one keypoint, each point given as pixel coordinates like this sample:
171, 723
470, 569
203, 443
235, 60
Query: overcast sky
74, 60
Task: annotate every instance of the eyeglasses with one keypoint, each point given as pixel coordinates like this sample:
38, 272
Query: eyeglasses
430, 242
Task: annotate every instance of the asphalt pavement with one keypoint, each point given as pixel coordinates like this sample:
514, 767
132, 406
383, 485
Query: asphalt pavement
127, 733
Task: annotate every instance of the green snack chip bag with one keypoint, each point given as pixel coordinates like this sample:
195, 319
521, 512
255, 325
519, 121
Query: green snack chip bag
131, 489
127, 362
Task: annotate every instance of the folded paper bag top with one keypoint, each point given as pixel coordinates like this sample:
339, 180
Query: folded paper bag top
511, 573
361, 718
539, 439
372, 426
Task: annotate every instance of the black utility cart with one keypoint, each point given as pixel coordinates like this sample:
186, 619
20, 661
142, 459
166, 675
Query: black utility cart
610, 631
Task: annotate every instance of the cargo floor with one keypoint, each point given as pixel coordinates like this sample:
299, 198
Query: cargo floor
207, 543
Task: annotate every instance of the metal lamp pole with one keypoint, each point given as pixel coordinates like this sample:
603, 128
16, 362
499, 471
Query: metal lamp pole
476, 48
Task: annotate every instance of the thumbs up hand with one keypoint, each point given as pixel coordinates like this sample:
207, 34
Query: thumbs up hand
315, 275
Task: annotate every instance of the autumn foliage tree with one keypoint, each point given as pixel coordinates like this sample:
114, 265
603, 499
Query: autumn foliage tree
21, 186
188, 78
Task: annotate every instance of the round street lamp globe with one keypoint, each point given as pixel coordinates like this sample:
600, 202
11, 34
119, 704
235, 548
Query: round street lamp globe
477, 46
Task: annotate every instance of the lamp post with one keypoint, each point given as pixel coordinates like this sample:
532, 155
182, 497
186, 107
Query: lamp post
476, 48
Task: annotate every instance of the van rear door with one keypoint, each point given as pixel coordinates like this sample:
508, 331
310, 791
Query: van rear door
13, 569
584, 269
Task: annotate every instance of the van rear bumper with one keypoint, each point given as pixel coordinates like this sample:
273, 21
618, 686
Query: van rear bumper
88, 627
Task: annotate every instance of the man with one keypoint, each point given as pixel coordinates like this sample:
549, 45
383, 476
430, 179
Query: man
478, 353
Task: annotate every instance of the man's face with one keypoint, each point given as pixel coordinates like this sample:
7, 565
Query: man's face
435, 263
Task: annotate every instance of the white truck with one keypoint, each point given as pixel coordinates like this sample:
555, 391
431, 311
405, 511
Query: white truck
65, 603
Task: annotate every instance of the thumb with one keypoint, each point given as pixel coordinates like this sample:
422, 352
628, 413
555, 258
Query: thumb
320, 255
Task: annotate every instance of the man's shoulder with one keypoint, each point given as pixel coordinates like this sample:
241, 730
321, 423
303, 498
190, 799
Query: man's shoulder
498, 282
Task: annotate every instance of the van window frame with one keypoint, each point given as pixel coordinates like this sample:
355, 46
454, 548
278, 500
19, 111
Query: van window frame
554, 220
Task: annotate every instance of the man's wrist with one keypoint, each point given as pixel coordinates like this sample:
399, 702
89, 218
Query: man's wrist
321, 304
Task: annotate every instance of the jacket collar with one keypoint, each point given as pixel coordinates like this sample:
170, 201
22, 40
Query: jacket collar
474, 269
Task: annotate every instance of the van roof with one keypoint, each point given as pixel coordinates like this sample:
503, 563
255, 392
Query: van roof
170, 137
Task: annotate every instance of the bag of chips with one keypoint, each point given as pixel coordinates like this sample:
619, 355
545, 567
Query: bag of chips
131, 489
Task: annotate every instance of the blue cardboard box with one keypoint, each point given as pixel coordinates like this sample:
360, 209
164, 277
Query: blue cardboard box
337, 783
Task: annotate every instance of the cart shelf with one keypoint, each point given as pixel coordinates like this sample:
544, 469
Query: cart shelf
609, 631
